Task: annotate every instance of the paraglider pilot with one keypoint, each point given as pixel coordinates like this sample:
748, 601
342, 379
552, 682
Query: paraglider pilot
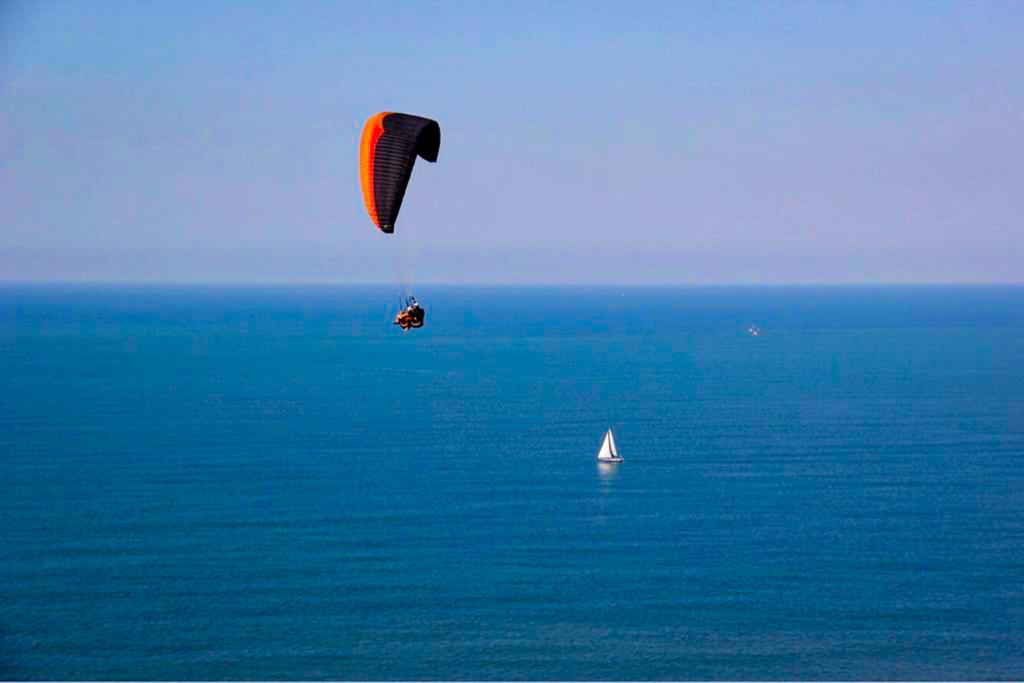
410, 317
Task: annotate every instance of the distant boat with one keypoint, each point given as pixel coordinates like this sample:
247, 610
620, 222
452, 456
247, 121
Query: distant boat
608, 452
754, 331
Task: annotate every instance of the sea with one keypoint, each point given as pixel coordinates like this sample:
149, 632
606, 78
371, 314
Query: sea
274, 482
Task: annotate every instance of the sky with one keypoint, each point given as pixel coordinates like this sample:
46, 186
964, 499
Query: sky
635, 143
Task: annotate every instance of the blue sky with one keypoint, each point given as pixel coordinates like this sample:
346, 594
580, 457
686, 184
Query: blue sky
581, 142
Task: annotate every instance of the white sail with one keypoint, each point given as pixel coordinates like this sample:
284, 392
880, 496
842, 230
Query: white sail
608, 450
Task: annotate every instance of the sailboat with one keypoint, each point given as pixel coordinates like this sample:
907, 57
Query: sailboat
608, 452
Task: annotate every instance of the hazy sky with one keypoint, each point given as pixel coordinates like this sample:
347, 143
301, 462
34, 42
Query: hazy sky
581, 142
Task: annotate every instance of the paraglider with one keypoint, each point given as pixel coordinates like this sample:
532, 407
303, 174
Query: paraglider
387, 153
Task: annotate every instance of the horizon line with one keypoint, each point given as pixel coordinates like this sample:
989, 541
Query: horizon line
321, 283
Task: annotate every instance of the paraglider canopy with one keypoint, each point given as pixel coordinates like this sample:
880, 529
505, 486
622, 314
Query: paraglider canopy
387, 152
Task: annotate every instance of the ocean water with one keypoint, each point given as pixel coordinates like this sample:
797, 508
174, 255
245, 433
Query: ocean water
276, 483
